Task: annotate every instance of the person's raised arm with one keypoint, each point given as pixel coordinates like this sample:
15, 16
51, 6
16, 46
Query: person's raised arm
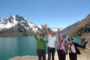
46, 28
59, 38
79, 45
35, 35
58, 42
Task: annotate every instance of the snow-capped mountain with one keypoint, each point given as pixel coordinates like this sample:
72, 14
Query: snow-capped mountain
17, 26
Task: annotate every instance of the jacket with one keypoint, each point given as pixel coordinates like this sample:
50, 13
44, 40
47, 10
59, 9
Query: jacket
40, 42
76, 48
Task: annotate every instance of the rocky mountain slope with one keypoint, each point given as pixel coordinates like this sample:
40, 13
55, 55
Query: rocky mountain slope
80, 28
17, 26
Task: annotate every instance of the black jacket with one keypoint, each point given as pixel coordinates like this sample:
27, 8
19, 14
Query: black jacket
76, 47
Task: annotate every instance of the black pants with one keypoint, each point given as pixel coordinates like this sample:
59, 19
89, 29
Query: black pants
61, 55
73, 56
51, 52
41, 54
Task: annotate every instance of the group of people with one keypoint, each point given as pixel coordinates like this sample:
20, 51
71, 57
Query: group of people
62, 46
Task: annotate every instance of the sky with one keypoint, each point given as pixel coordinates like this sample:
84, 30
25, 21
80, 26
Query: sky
54, 13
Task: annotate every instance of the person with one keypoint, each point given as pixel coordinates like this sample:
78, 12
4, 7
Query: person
51, 43
40, 46
62, 47
73, 49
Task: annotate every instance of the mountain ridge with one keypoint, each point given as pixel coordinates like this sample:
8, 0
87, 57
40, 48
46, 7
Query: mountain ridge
17, 25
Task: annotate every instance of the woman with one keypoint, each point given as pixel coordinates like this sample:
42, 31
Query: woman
40, 46
73, 50
62, 46
51, 43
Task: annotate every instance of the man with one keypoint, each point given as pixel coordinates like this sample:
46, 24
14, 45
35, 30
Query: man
40, 46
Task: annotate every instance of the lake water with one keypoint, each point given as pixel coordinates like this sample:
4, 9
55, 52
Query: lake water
76, 39
18, 46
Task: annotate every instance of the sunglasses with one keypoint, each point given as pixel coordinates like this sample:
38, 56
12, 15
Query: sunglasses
70, 39
42, 35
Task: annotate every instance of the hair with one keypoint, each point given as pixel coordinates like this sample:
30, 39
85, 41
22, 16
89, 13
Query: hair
64, 36
70, 38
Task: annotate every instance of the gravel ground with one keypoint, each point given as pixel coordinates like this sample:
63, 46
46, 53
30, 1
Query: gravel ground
85, 55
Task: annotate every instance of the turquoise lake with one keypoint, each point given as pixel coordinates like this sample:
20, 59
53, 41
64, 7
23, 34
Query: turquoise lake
19, 46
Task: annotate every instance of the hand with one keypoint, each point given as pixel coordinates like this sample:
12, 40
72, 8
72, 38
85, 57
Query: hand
46, 28
58, 29
45, 25
34, 32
